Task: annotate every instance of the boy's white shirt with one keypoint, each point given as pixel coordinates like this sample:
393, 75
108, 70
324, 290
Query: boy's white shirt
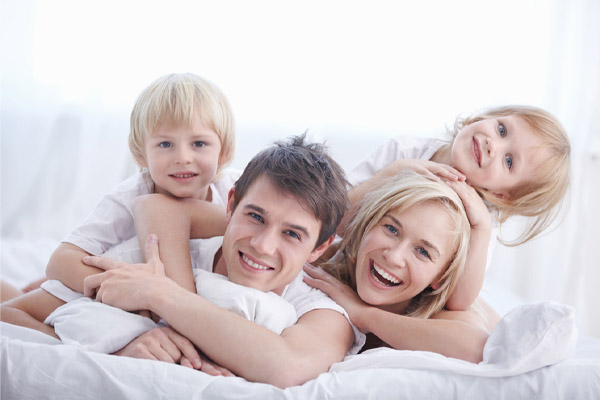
401, 148
106, 329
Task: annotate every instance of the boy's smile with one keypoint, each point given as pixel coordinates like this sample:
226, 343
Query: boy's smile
269, 237
183, 160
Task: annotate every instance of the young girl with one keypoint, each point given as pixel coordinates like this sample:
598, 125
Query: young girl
515, 158
401, 256
182, 137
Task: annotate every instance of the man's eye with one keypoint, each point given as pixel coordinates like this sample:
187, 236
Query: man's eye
509, 161
256, 216
502, 130
199, 143
293, 235
165, 144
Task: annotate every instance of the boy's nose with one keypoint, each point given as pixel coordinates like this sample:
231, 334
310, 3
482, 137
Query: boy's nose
184, 156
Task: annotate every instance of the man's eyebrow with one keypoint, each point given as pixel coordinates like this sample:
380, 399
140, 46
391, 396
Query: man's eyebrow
424, 242
291, 226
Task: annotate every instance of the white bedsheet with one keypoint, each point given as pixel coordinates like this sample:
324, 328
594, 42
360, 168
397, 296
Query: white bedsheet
533, 353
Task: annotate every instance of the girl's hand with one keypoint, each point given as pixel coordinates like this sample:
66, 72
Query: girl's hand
432, 169
341, 293
477, 213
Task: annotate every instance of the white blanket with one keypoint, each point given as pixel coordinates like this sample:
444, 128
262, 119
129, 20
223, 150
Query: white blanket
533, 353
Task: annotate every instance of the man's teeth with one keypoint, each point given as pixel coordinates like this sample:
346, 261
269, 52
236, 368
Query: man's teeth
384, 274
253, 264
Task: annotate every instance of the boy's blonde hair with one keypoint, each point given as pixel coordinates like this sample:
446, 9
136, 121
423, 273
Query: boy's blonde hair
178, 99
405, 190
542, 197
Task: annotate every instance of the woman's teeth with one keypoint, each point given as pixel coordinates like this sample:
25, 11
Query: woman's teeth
380, 274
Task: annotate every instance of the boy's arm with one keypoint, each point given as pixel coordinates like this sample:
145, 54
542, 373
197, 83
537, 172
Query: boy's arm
66, 266
471, 280
175, 221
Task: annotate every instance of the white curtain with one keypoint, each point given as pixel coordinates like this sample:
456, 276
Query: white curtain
353, 73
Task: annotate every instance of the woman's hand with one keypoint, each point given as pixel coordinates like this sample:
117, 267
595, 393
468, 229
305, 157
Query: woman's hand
165, 344
341, 293
127, 286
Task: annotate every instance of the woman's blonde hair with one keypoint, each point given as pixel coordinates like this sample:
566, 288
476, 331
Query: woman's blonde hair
405, 190
179, 99
542, 197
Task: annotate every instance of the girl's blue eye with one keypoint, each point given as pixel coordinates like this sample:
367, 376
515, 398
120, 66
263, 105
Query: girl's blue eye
391, 228
509, 161
199, 143
423, 252
165, 145
502, 130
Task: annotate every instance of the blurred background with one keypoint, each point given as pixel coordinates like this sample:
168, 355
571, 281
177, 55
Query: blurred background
352, 73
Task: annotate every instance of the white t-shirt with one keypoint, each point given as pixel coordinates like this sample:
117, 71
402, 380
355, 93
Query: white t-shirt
402, 148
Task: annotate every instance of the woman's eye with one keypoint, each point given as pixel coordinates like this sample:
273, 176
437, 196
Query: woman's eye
509, 161
391, 228
502, 130
423, 252
199, 143
165, 144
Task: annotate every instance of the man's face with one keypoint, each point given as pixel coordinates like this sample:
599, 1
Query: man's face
269, 237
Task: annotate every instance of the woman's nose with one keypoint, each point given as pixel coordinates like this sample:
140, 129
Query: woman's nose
396, 255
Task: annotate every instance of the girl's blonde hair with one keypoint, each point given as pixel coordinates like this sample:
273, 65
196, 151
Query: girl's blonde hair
179, 99
542, 197
402, 192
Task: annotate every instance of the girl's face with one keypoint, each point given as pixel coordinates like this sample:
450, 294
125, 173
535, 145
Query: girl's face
404, 253
497, 154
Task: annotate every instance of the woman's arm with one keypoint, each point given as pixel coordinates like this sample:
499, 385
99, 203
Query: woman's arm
453, 334
319, 338
175, 221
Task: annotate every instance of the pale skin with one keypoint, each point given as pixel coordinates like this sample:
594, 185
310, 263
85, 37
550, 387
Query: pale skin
495, 155
411, 248
272, 231
182, 161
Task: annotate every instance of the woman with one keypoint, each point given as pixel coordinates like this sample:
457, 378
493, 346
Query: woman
397, 265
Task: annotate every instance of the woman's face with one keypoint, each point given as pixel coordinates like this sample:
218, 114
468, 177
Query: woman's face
404, 253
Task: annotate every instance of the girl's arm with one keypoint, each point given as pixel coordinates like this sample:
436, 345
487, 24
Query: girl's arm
453, 334
430, 168
66, 266
471, 280
175, 221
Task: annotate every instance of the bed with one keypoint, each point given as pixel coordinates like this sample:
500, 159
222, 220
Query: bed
535, 352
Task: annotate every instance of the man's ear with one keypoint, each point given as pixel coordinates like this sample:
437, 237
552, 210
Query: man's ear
316, 253
229, 205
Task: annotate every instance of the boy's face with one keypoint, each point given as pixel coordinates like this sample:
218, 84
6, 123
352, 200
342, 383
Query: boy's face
269, 237
497, 154
182, 160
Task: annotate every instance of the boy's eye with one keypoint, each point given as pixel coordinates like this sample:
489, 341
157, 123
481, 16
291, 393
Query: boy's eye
509, 161
423, 252
199, 143
165, 144
502, 130
391, 228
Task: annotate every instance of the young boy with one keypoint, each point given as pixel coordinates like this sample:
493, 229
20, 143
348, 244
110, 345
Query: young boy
277, 219
182, 136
